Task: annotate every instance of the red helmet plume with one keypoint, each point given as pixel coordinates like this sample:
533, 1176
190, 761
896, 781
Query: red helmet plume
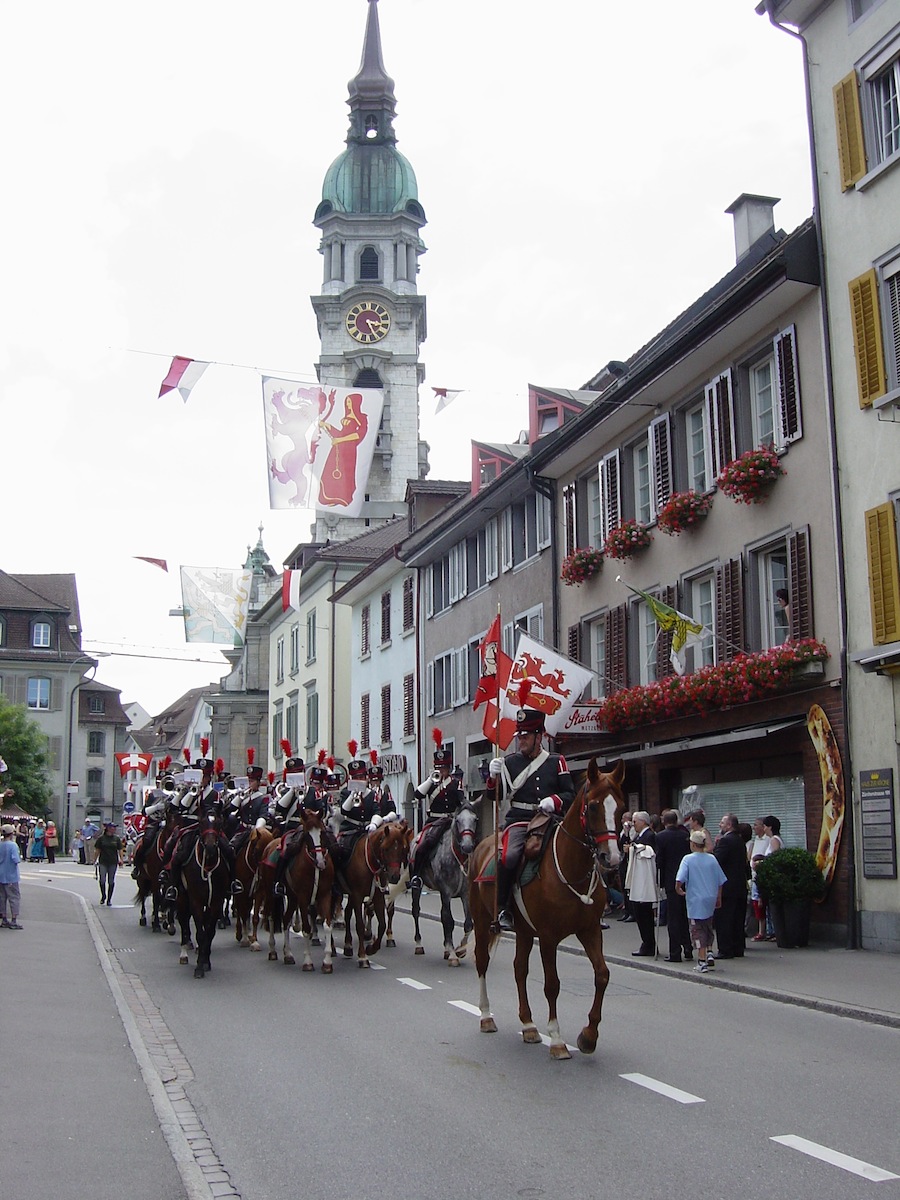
353, 746
204, 746
437, 736
166, 762
186, 754
321, 757
286, 747
271, 777
329, 762
373, 757
220, 765
251, 755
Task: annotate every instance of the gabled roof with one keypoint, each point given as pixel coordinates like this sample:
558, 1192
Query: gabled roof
168, 729
39, 593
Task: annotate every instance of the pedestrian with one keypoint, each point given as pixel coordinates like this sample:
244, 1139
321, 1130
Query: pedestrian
671, 847
88, 832
51, 842
37, 842
23, 833
699, 879
9, 878
731, 855
759, 905
641, 883
108, 850
78, 847
624, 853
696, 819
772, 830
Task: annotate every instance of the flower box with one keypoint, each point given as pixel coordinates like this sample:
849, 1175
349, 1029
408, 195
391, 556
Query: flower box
627, 539
580, 565
747, 479
683, 510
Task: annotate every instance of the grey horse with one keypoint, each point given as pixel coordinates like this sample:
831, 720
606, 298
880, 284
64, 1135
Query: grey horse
445, 872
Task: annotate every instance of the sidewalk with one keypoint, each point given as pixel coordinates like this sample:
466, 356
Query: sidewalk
862, 984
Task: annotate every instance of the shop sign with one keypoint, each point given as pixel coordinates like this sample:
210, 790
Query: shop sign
879, 837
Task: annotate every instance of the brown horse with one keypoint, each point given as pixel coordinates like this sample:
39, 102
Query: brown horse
384, 850
309, 882
147, 873
565, 898
247, 904
205, 886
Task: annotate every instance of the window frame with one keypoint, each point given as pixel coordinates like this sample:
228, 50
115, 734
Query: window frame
41, 625
96, 742
39, 691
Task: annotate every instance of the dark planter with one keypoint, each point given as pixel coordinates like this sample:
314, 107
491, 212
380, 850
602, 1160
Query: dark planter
791, 921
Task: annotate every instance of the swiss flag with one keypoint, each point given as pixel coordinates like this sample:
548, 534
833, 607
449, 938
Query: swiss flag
134, 762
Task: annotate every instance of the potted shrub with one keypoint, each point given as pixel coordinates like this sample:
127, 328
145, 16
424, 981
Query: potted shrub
747, 479
626, 539
789, 881
580, 565
683, 510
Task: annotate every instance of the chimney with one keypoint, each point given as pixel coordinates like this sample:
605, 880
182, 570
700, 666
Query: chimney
753, 217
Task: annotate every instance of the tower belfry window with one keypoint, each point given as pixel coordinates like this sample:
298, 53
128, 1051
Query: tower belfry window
369, 266
371, 126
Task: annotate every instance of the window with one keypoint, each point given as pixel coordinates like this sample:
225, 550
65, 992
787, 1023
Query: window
859, 7
457, 574
369, 265
38, 693
40, 635
364, 712
295, 648
762, 397
279, 660
386, 714
595, 511
385, 618
365, 622
875, 314
311, 636
96, 706
530, 623
2, 631
719, 399
481, 556
643, 506
647, 636
597, 649
312, 718
698, 462
292, 719
885, 110
444, 583
95, 784
277, 733
775, 393
703, 610
409, 604
525, 529
409, 706
784, 590
439, 681
867, 114
610, 494
96, 742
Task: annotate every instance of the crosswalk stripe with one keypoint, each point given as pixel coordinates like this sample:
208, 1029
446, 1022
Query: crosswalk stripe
414, 983
855, 1166
664, 1089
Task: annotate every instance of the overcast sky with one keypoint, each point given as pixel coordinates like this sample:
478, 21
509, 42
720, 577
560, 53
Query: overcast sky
163, 163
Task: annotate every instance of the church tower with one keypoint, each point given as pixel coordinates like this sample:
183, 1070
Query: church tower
370, 317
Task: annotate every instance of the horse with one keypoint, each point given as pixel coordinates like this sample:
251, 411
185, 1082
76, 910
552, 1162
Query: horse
308, 880
251, 847
566, 897
205, 880
445, 872
385, 849
147, 877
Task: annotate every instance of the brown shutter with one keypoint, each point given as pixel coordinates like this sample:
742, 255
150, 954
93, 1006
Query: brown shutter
364, 642
408, 603
617, 649
570, 534
884, 573
364, 721
729, 610
409, 710
867, 344
660, 440
610, 495
386, 713
788, 386
849, 129
800, 585
720, 414
664, 668
573, 644
385, 617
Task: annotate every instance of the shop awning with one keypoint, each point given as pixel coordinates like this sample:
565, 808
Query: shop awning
656, 749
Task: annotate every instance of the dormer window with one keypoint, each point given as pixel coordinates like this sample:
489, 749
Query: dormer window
40, 635
371, 126
369, 266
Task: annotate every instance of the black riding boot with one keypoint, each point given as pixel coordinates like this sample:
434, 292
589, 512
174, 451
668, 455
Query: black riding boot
505, 880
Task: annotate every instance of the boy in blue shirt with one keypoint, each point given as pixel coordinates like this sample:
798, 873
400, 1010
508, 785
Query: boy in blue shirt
9, 878
699, 878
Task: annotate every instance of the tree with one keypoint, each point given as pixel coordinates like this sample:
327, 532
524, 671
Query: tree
24, 749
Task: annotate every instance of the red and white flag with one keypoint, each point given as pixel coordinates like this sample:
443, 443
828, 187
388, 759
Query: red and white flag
134, 762
556, 683
154, 562
495, 671
183, 374
290, 590
444, 396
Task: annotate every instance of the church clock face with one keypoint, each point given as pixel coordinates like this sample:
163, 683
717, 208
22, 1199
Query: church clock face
368, 322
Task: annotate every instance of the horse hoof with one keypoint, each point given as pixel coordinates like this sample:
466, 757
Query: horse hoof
316, 942
348, 954
446, 955
255, 946
531, 1035
183, 960
289, 960
488, 1025
586, 1044
559, 1051
199, 972
156, 928
363, 963
273, 956
391, 944
327, 969
143, 922
421, 950
307, 967
452, 961
170, 930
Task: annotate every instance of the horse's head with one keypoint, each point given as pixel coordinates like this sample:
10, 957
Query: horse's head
313, 823
465, 824
602, 803
391, 842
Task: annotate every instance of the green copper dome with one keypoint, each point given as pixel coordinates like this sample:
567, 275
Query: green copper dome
370, 179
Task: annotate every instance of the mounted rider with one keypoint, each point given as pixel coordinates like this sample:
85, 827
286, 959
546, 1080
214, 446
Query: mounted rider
444, 795
378, 801
531, 781
253, 801
154, 813
197, 803
299, 790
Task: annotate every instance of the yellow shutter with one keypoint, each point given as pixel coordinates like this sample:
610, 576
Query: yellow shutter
848, 121
884, 573
867, 342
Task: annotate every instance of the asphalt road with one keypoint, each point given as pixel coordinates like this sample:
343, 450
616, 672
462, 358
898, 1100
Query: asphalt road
375, 1082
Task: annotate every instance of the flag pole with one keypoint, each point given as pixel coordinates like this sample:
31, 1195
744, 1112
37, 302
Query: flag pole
497, 801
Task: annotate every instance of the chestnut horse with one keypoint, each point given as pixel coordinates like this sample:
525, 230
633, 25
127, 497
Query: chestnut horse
385, 849
309, 883
205, 880
565, 898
250, 849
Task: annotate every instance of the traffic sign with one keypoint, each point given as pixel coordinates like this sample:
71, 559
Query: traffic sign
128, 806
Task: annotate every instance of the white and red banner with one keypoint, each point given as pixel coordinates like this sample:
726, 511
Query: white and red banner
444, 396
556, 685
134, 762
215, 602
495, 670
319, 444
182, 376
290, 590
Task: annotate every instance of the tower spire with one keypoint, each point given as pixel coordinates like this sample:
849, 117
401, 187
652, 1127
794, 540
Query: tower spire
371, 90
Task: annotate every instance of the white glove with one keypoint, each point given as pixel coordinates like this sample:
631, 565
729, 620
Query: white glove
348, 805
424, 788
391, 816
548, 805
374, 823
496, 768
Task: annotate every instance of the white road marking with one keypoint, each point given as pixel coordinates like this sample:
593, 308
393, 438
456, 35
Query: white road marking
664, 1089
855, 1166
414, 983
377, 966
466, 1007
571, 1049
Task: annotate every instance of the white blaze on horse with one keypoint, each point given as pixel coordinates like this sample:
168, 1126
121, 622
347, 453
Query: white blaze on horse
567, 897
